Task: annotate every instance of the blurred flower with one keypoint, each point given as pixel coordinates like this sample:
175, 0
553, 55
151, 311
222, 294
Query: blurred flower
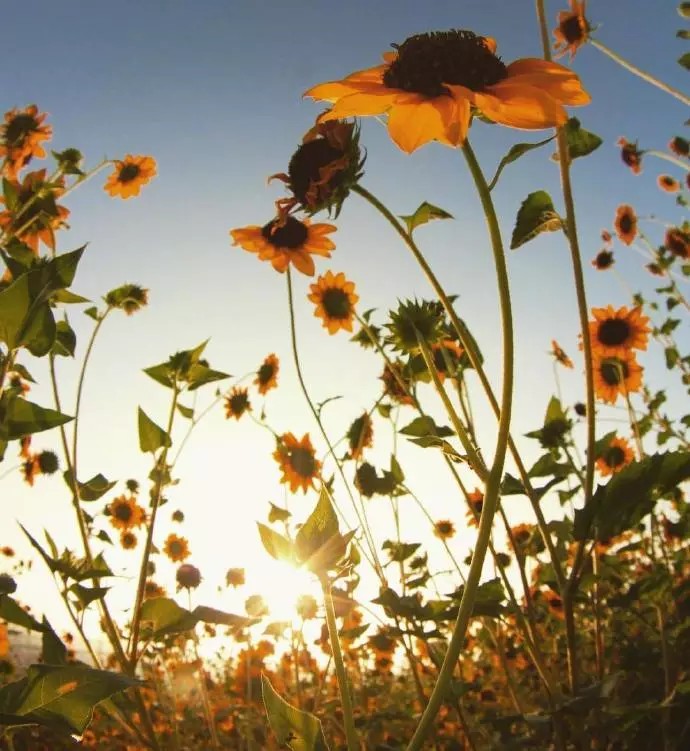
394, 377
128, 297
126, 513
130, 174
256, 606
298, 462
21, 136
335, 300
603, 260
128, 540
287, 240
234, 577
188, 576
176, 548
668, 184
626, 224
614, 457
237, 403
475, 499
177, 516
444, 529
559, 355
433, 82
679, 146
631, 155
677, 241
360, 435
307, 607
616, 375
572, 30
267, 374
614, 331
152, 589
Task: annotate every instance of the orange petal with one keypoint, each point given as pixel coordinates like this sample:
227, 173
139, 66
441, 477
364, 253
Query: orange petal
528, 65
521, 107
411, 125
362, 80
567, 89
363, 104
303, 262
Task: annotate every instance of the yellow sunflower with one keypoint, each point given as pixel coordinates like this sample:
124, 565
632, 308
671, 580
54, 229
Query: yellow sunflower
297, 461
237, 403
433, 83
678, 242
126, 513
626, 224
130, 174
572, 30
559, 355
614, 457
267, 374
444, 529
614, 375
613, 332
176, 548
128, 540
20, 138
287, 240
668, 184
522, 534
335, 301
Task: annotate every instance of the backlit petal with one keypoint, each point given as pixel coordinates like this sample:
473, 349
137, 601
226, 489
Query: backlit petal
361, 104
411, 125
521, 107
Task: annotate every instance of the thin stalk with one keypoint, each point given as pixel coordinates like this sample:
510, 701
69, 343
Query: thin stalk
672, 159
343, 684
491, 496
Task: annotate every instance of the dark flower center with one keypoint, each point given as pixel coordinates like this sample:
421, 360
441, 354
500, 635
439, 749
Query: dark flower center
625, 223
123, 512
176, 548
265, 374
239, 403
306, 164
613, 332
426, 62
302, 462
677, 243
614, 371
444, 528
290, 235
336, 303
477, 505
573, 29
128, 173
615, 456
631, 155
19, 128
604, 259
555, 602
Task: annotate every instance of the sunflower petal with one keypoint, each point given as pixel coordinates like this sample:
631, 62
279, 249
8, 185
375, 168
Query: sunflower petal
303, 262
567, 89
361, 80
521, 107
413, 124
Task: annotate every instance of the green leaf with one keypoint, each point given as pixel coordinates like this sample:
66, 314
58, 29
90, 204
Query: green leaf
580, 141
277, 629
277, 514
684, 60
425, 426
513, 155
299, 731
151, 437
400, 551
161, 374
536, 215
166, 617
61, 697
65, 340
684, 10
199, 375
53, 650
221, 618
187, 412
319, 542
66, 297
92, 489
87, 595
425, 213
276, 545
12, 612
25, 418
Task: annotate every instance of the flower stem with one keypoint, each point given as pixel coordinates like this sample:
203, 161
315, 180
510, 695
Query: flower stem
491, 496
343, 683
639, 72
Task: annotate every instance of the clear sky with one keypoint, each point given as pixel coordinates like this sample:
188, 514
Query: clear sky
212, 89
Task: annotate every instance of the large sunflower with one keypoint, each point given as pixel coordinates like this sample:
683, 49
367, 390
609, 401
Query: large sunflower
335, 301
613, 332
433, 83
297, 461
614, 375
614, 457
20, 138
130, 174
285, 241
267, 374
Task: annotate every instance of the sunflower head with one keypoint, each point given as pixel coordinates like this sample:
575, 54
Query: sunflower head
267, 374
444, 529
128, 297
668, 184
125, 513
335, 301
307, 607
626, 224
679, 146
559, 355
297, 461
573, 29
677, 241
130, 175
631, 155
176, 548
128, 540
613, 457
415, 320
234, 577
48, 462
603, 260
20, 138
613, 332
152, 589
398, 383
616, 375
188, 576
360, 435
237, 403
325, 167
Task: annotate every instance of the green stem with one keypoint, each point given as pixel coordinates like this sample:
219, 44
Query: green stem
667, 157
491, 496
343, 684
640, 73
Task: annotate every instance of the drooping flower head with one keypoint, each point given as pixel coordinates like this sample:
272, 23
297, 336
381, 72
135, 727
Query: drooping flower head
267, 374
614, 457
631, 155
677, 241
21, 137
298, 462
335, 300
433, 83
237, 403
130, 175
572, 30
559, 355
287, 241
613, 332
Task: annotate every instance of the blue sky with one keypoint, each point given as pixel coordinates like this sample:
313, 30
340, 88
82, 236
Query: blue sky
213, 91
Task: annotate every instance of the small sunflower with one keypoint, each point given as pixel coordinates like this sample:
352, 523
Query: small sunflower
21, 136
335, 301
433, 83
614, 457
678, 242
176, 548
267, 374
626, 224
287, 240
360, 435
237, 403
415, 320
152, 589
297, 461
444, 529
613, 332
234, 577
475, 499
128, 540
559, 355
631, 155
572, 30
616, 375
522, 534
603, 260
125, 513
606, 237
447, 355
131, 173
394, 377
679, 146
668, 184
188, 576
554, 603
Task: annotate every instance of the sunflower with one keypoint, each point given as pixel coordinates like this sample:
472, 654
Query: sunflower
128, 297
678, 242
20, 138
613, 332
267, 374
444, 529
397, 383
559, 355
668, 184
128, 540
176, 548
554, 603
126, 513
130, 174
522, 534
447, 355
297, 461
360, 435
572, 30
614, 457
287, 240
631, 155
626, 224
237, 403
679, 146
475, 499
234, 577
188, 576
433, 82
616, 375
335, 301
153, 589
603, 260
